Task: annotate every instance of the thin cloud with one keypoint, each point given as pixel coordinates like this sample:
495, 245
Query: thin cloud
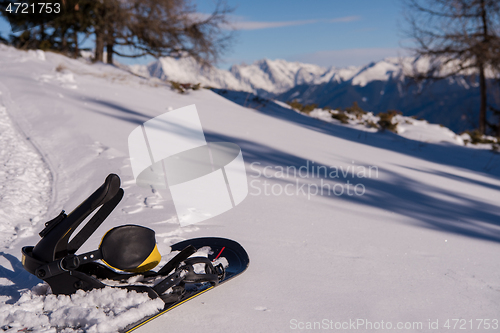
345, 19
240, 23
256, 25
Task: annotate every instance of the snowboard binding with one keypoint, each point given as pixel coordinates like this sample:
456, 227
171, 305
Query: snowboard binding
125, 251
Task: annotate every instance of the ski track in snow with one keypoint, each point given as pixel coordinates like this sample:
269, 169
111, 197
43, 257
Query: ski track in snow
25, 181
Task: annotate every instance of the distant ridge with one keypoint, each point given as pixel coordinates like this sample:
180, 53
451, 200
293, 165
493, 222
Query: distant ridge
377, 87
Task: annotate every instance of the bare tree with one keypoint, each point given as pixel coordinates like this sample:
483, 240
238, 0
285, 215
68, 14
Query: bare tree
135, 28
47, 30
131, 28
103, 17
171, 28
458, 37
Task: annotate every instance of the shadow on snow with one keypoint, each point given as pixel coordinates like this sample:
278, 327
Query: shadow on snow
428, 205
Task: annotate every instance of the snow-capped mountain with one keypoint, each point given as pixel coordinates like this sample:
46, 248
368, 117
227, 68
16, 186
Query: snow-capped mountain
376, 87
385, 85
264, 77
277, 76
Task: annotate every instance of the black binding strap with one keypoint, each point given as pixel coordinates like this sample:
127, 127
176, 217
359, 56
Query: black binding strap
54, 243
170, 281
175, 261
210, 274
94, 222
185, 274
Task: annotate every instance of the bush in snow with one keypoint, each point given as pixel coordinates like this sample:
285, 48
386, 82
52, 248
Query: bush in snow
386, 120
340, 116
356, 110
476, 137
183, 87
306, 108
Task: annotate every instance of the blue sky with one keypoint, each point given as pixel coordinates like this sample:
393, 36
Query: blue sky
324, 32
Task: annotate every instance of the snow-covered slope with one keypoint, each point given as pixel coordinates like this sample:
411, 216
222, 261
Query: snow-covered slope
395, 230
407, 127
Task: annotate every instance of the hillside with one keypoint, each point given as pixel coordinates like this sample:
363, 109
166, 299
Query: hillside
377, 87
399, 230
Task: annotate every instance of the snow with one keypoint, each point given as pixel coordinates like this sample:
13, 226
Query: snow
380, 71
187, 70
421, 130
420, 243
407, 127
100, 310
410, 128
24, 184
265, 76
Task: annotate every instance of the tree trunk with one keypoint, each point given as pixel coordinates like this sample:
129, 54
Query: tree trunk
76, 51
482, 79
109, 55
64, 42
99, 45
482, 106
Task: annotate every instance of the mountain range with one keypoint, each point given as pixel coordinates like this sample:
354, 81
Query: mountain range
377, 87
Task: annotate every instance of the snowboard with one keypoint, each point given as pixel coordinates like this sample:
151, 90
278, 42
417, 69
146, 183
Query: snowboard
233, 252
